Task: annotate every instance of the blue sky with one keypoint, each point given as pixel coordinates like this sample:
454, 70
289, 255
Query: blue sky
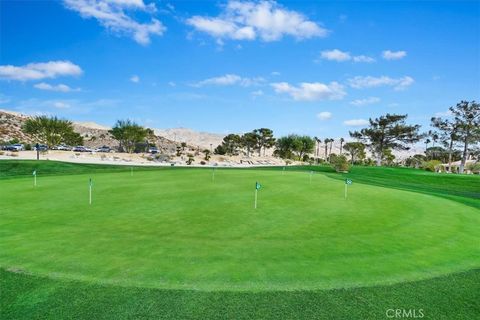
312, 67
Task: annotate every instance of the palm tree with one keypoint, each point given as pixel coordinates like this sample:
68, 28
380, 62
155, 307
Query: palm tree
331, 144
326, 141
318, 140
341, 144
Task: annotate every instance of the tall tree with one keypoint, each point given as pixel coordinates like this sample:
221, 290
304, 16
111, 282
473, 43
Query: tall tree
265, 139
356, 150
128, 134
52, 130
341, 144
448, 135
318, 141
230, 145
249, 141
467, 120
305, 145
326, 141
388, 132
331, 145
286, 146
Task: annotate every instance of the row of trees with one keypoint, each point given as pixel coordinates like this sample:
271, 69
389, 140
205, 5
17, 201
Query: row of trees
132, 136
52, 131
257, 140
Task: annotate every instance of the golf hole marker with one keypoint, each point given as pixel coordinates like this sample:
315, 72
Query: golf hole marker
347, 183
90, 183
257, 187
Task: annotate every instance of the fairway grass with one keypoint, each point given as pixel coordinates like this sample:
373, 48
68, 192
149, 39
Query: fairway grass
180, 229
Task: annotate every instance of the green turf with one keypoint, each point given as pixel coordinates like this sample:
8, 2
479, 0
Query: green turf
177, 229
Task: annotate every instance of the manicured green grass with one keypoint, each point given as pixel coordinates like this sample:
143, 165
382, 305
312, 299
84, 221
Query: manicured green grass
164, 230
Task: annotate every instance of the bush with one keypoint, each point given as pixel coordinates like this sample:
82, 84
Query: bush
431, 165
474, 167
340, 163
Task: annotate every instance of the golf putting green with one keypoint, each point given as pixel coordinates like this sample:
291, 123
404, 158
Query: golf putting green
180, 229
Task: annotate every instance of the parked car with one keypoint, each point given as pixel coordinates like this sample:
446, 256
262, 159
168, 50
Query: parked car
62, 147
81, 149
103, 149
14, 147
153, 150
41, 147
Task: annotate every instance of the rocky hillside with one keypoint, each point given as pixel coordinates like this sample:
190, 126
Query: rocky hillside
94, 135
203, 140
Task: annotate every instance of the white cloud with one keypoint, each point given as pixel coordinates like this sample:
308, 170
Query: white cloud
342, 56
360, 82
39, 71
307, 91
393, 55
356, 122
229, 80
249, 20
335, 55
363, 58
325, 115
61, 105
135, 78
366, 101
58, 87
115, 15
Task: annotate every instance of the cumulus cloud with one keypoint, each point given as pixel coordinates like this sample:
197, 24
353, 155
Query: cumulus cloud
363, 58
325, 115
335, 55
39, 71
248, 20
356, 122
60, 105
393, 55
364, 102
135, 78
229, 80
58, 87
360, 82
311, 91
342, 56
116, 16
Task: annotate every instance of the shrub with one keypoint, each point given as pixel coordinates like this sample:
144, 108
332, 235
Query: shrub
474, 167
340, 163
431, 165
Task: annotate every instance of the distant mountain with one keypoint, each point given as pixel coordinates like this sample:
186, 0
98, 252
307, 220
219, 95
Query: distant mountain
204, 140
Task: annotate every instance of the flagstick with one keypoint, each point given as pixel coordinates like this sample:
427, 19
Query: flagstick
256, 191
